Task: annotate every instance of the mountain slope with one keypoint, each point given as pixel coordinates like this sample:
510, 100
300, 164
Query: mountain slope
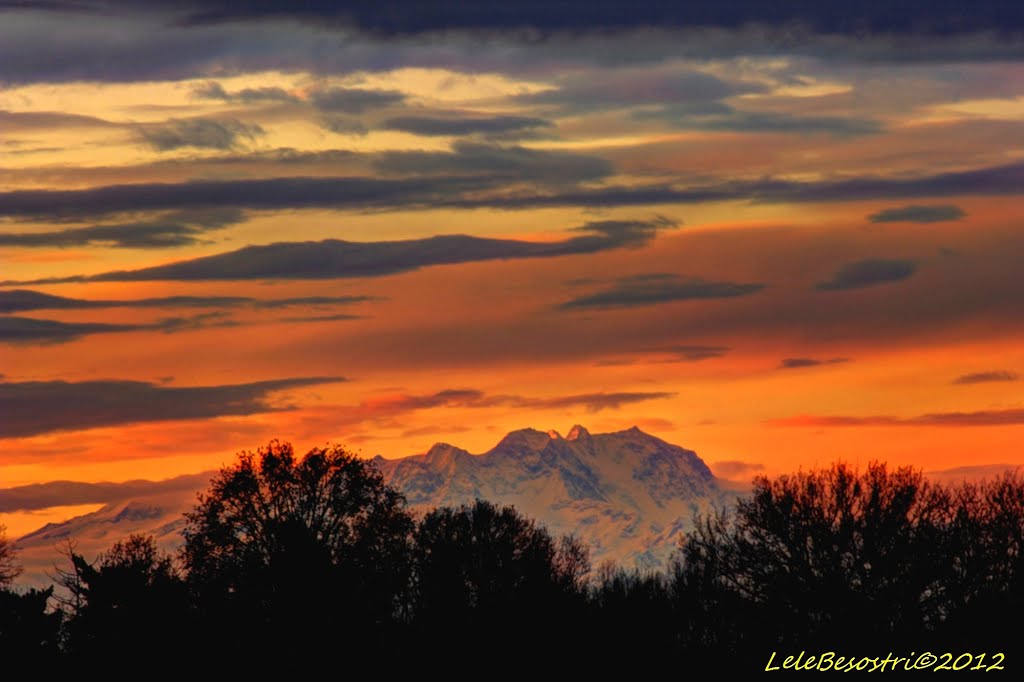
627, 494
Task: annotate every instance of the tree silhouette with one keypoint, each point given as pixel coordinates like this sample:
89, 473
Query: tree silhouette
29, 632
821, 557
984, 552
495, 577
9, 567
278, 542
131, 599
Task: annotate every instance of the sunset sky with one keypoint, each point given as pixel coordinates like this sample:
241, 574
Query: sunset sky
778, 237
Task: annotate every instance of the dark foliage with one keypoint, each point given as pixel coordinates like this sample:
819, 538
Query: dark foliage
497, 579
872, 561
29, 632
9, 568
279, 543
300, 559
130, 602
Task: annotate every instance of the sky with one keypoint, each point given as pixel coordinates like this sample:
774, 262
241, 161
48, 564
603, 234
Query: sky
779, 234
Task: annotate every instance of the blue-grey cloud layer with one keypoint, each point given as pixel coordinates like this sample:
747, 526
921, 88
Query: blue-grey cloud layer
61, 493
31, 330
464, 125
332, 258
800, 363
24, 300
631, 292
34, 407
868, 273
446, 179
173, 229
918, 214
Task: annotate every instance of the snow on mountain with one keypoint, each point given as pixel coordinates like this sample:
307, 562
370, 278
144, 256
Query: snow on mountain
627, 494
159, 515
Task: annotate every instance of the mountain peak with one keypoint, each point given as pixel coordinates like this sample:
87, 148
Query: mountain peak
529, 439
577, 432
626, 493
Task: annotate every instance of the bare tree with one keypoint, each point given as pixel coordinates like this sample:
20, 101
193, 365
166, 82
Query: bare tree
9, 566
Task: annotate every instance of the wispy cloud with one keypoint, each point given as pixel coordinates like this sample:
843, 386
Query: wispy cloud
799, 363
986, 377
958, 419
24, 300
630, 292
201, 133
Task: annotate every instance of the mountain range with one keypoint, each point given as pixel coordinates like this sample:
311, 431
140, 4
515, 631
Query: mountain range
628, 495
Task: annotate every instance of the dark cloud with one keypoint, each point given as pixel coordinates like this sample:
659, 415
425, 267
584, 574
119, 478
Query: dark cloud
869, 272
721, 116
311, 301
689, 92
486, 169
857, 17
170, 325
47, 5
30, 330
643, 290
332, 258
464, 125
23, 300
176, 228
201, 133
799, 363
354, 100
736, 469
271, 193
61, 493
986, 377
918, 214
982, 418
214, 90
444, 178
496, 161
769, 122
35, 407
148, 43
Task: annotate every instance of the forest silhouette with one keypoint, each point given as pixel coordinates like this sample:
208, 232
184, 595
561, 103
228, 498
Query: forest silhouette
316, 556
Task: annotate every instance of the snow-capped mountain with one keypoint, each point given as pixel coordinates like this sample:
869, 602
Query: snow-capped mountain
627, 494
160, 515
